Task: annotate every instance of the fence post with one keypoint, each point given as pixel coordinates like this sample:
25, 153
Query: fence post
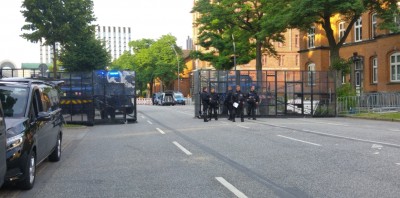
196, 93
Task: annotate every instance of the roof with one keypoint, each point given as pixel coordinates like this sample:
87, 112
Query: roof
31, 65
186, 54
28, 81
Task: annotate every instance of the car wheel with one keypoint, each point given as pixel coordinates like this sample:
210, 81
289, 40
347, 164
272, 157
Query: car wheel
55, 156
29, 172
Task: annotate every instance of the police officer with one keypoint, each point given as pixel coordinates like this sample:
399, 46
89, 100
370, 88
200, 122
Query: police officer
205, 99
229, 103
214, 104
252, 102
238, 99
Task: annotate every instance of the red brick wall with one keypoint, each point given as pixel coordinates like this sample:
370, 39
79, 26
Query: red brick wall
381, 47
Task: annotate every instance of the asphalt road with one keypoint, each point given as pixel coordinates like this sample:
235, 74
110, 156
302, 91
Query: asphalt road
168, 153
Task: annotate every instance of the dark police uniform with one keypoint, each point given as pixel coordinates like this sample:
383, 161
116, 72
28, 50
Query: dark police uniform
214, 105
239, 97
229, 104
205, 99
252, 100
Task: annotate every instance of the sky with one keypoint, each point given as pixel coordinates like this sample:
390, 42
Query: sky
147, 19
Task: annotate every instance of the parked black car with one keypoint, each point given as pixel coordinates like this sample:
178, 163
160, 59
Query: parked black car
34, 127
3, 164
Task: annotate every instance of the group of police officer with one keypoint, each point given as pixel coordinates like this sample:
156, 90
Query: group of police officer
234, 101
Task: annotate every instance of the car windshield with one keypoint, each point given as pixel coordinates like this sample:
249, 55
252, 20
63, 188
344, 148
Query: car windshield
178, 96
13, 100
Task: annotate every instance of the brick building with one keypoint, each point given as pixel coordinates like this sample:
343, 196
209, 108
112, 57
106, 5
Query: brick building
287, 57
375, 53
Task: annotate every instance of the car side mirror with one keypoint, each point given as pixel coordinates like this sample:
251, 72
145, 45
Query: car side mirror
44, 116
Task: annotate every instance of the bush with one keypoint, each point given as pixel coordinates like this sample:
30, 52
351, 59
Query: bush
345, 91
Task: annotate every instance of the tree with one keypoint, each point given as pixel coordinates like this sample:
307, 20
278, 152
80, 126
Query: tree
305, 13
254, 24
56, 21
85, 53
166, 62
144, 63
153, 60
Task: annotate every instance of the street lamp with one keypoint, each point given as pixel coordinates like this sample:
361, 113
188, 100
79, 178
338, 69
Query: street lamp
234, 52
177, 58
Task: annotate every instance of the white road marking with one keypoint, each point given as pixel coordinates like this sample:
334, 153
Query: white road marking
243, 126
143, 117
149, 122
330, 123
182, 148
230, 187
376, 153
260, 122
398, 164
299, 140
161, 131
191, 114
377, 146
394, 130
350, 138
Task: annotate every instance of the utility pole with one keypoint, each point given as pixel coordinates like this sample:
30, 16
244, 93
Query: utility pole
177, 59
234, 52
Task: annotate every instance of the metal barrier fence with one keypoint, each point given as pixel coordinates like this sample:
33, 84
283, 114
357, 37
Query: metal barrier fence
371, 102
282, 93
148, 101
144, 101
91, 97
99, 96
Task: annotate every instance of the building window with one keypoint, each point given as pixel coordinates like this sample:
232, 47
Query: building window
396, 20
395, 67
343, 77
297, 59
296, 40
375, 70
358, 30
281, 60
342, 29
311, 74
358, 78
374, 26
311, 37
264, 60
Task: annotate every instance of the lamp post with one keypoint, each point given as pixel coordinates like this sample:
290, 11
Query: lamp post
177, 59
234, 52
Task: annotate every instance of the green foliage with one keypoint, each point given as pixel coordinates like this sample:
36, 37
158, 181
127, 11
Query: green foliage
252, 25
85, 54
347, 97
56, 21
153, 60
124, 62
342, 65
345, 90
390, 116
324, 111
